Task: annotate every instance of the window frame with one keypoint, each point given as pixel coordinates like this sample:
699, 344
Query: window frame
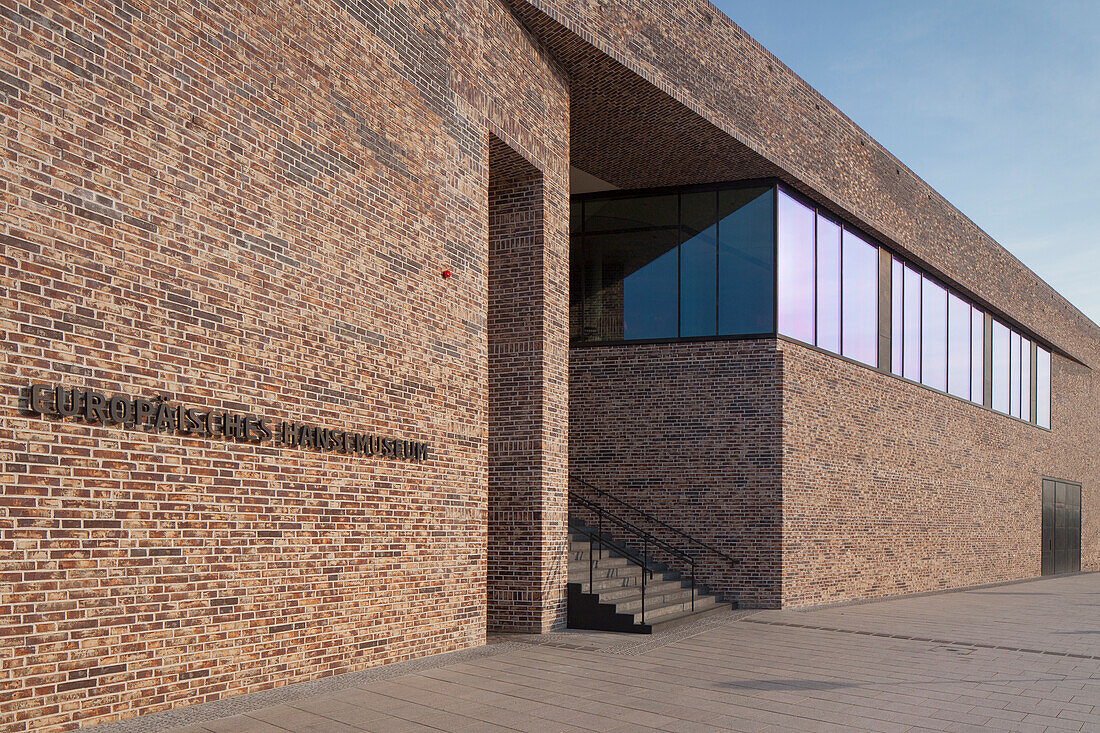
776, 186
580, 238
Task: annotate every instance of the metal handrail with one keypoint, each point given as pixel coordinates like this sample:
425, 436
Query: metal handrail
651, 518
633, 529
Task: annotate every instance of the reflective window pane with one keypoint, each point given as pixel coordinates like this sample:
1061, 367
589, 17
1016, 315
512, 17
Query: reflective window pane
860, 296
958, 346
796, 269
1042, 388
698, 264
828, 285
1014, 396
933, 346
911, 342
642, 211
896, 328
746, 251
630, 284
1002, 368
977, 356
1025, 379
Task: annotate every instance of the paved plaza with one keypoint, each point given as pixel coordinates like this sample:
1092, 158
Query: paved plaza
1019, 657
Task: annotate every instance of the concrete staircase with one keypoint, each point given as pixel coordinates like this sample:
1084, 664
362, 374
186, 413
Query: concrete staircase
613, 599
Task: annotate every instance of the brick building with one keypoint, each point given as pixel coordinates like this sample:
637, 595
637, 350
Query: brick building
315, 312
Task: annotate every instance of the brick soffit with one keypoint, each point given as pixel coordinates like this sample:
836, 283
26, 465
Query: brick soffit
558, 32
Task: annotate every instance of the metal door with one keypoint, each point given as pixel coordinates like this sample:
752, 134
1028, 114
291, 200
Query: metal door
1048, 527
1061, 527
1073, 528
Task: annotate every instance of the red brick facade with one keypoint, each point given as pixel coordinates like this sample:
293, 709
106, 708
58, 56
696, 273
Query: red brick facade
890, 487
827, 480
248, 206
527, 512
691, 433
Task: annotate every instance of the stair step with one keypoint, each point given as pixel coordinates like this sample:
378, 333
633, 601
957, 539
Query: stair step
653, 601
685, 617
627, 592
614, 588
582, 553
663, 613
604, 585
613, 599
578, 571
609, 561
620, 577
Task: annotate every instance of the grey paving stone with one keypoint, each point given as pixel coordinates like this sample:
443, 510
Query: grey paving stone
240, 724
300, 721
341, 712
765, 672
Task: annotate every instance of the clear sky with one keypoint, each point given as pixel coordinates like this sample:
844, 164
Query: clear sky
995, 103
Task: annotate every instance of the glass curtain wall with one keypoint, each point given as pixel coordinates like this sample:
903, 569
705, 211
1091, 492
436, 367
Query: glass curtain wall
661, 266
828, 283
934, 337
1021, 376
753, 260
938, 339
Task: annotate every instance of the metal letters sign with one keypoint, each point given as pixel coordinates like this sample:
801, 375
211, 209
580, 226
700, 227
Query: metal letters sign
160, 416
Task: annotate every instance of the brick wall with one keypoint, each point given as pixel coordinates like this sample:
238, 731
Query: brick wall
829, 481
524, 586
691, 433
247, 206
891, 488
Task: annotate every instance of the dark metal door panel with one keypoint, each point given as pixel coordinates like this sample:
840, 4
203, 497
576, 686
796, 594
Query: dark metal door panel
1061, 525
1061, 530
1074, 528
1048, 527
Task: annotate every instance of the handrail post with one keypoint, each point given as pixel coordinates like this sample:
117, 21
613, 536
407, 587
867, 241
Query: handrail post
599, 514
591, 585
693, 585
645, 561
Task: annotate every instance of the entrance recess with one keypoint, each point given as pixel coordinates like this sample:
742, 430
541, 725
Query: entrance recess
1061, 527
526, 422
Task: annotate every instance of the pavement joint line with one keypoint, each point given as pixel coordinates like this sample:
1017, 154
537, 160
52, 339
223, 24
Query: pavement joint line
884, 635
641, 643
251, 702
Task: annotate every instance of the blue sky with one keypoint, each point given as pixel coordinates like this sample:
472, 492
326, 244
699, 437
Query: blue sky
995, 103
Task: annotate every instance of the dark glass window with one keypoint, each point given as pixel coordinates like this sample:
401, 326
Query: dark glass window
673, 265
710, 261
796, 269
746, 251
630, 285
698, 260
828, 284
634, 212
